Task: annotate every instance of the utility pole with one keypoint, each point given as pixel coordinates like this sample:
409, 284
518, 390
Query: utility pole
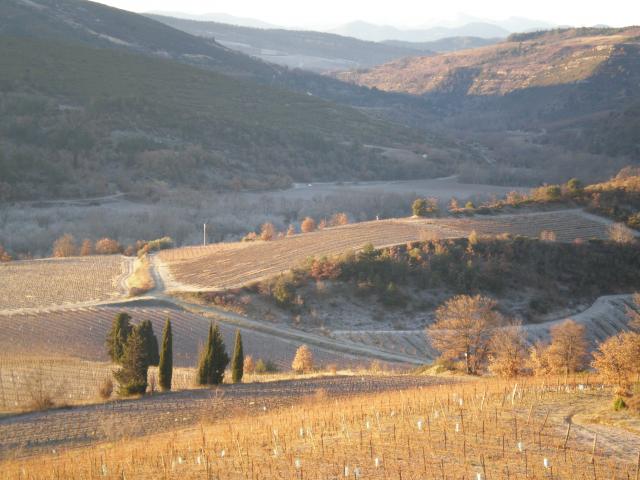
204, 234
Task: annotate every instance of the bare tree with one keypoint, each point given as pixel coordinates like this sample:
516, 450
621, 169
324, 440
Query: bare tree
508, 351
463, 329
568, 349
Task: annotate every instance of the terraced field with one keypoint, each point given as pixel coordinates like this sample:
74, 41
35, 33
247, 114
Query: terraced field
228, 266
62, 282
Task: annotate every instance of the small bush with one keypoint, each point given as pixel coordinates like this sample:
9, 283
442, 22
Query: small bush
105, 389
107, 246
263, 367
619, 404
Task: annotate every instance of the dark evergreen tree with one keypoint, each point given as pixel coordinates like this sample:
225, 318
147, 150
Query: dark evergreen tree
165, 369
132, 377
213, 359
117, 337
237, 364
150, 341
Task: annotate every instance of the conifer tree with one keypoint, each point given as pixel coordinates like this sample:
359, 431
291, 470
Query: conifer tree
213, 359
165, 368
132, 377
117, 337
237, 364
150, 341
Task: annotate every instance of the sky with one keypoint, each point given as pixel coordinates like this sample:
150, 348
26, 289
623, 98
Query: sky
400, 13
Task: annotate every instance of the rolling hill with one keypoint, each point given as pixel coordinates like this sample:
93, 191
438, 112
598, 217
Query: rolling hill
308, 50
78, 121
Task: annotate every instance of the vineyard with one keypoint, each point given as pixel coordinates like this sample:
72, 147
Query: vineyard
471, 430
228, 266
42, 431
34, 284
81, 333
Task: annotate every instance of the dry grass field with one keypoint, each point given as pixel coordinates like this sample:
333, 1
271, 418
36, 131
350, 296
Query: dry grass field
471, 430
228, 266
35, 284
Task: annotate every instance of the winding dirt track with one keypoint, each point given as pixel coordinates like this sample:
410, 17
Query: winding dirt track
46, 431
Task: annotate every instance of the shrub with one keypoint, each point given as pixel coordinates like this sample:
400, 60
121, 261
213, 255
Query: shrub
105, 389
291, 231
267, 366
619, 233
107, 246
155, 245
284, 291
65, 246
419, 207
303, 360
339, 219
619, 404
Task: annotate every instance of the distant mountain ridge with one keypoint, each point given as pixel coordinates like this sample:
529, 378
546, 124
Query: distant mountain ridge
214, 17
380, 33
315, 51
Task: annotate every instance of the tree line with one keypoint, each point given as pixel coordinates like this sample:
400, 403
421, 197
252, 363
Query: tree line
135, 348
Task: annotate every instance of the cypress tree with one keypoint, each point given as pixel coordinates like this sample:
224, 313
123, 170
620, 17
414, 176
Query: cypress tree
213, 359
117, 337
132, 377
150, 341
165, 369
237, 365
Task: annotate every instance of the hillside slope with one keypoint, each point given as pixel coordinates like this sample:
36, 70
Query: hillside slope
309, 50
571, 95
78, 121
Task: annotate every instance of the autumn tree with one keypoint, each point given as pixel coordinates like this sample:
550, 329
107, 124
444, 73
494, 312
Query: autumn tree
291, 231
303, 360
237, 364
4, 255
339, 219
267, 232
463, 329
620, 233
165, 366
117, 336
617, 361
308, 225
65, 246
634, 313
86, 248
249, 365
567, 352
107, 246
508, 351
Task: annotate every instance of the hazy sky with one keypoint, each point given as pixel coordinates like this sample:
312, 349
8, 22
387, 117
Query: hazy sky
400, 12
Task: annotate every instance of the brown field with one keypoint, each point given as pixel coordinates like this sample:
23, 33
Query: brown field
228, 266
34, 284
478, 430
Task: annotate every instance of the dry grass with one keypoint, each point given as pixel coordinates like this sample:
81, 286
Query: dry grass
480, 430
141, 280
